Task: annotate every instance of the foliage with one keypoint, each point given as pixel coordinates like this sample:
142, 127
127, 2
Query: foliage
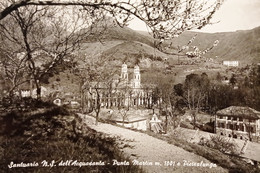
203, 93
40, 43
165, 18
194, 92
220, 143
246, 92
164, 96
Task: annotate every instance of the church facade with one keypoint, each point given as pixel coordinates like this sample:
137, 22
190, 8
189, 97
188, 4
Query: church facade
120, 92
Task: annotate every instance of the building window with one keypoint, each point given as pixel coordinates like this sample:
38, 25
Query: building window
228, 126
241, 127
250, 120
250, 129
229, 118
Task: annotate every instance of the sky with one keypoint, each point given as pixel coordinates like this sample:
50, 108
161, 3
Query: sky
233, 15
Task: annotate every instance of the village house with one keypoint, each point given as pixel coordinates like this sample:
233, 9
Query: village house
238, 122
32, 92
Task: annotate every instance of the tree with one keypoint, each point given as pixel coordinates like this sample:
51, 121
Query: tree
14, 71
47, 41
123, 113
98, 75
195, 93
233, 80
166, 19
218, 77
253, 90
190, 51
166, 96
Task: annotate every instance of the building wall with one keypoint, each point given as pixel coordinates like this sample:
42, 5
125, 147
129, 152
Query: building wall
231, 63
139, 125
237, 127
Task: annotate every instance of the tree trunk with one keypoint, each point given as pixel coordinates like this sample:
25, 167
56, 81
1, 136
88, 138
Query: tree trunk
38, 90
97, 106
166, 123
97, 116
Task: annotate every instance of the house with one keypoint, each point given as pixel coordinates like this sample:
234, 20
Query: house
27, 92
238, 122
231, 63
156, 124
44, 92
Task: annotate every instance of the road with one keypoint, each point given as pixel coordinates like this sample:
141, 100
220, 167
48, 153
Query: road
153, 154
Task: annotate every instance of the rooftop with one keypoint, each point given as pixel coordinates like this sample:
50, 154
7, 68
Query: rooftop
132, 115
239, 111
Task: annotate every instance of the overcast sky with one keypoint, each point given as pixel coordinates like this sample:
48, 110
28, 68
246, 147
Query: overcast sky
233, 15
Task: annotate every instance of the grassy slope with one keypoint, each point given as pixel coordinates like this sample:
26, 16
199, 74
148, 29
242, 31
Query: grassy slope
56, 134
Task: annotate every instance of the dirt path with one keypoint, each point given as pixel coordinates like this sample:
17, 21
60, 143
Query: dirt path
145, 149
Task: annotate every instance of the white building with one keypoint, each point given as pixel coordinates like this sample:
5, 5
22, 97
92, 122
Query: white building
231, 63
44, 92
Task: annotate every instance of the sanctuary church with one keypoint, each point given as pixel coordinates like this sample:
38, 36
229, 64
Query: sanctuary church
120, 91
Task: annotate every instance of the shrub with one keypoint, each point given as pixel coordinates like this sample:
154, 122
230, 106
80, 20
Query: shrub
229, 161
220, 143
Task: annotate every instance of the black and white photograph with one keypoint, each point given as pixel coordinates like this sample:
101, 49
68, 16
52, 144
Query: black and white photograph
129, 86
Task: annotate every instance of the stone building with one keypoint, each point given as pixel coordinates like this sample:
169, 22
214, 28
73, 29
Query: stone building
121, 92
238, 122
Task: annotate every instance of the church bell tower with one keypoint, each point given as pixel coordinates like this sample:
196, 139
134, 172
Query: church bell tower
137, 77
124, 74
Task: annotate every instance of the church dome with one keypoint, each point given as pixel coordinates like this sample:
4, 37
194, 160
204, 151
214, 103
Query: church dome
124, 65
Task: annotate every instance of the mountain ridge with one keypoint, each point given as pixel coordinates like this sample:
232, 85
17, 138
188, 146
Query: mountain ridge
242, 45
